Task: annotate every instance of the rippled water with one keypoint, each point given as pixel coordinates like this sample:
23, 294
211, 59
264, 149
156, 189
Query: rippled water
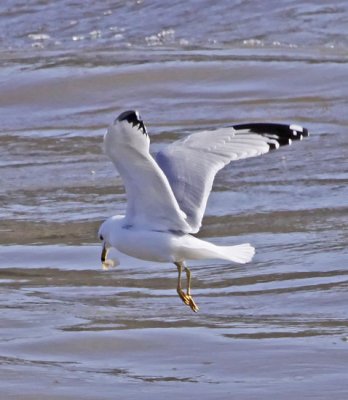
276, 327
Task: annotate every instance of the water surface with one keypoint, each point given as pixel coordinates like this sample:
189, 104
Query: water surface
275, 327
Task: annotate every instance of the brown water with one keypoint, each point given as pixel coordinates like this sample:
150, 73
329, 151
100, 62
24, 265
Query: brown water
275, 328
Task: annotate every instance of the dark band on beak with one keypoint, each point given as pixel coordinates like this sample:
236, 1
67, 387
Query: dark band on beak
104, 253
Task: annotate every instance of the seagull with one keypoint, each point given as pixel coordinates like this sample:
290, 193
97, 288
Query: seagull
167, 194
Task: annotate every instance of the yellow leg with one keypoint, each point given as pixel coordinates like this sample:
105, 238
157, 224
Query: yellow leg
181, 293
185, 297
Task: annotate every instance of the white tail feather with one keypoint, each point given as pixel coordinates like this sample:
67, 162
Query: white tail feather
240, 254
198, 249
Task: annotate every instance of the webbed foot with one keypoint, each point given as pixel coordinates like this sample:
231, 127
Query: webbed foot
188, 300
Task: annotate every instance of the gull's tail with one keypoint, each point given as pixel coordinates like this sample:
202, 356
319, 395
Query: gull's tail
240, 254
195, 248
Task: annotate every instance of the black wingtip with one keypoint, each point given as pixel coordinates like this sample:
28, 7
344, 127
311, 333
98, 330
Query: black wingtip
280, 134
133, 117
129, 115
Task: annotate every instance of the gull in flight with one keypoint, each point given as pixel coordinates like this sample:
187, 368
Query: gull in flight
167, 194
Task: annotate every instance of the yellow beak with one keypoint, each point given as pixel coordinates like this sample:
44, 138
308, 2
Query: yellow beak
104, 253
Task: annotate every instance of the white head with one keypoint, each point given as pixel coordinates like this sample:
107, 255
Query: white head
109, 228
108, 233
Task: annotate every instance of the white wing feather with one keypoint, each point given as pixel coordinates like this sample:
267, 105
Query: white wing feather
150, 199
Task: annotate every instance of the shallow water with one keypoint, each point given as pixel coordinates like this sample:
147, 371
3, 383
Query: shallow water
276, 327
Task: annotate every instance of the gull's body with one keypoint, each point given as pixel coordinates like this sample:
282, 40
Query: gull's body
161, 246
167, 196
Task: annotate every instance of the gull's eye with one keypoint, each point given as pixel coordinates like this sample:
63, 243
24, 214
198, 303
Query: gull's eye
101, 237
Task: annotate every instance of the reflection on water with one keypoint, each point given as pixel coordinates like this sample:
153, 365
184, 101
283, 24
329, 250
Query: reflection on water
69, 330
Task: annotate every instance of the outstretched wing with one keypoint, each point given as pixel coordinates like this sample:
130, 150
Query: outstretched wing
150, 199
191, 163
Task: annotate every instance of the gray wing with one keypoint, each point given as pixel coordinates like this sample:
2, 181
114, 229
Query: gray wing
191, 164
